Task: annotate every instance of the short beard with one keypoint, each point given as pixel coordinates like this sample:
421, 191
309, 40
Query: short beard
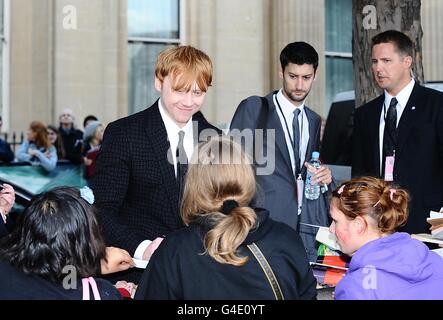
295, 99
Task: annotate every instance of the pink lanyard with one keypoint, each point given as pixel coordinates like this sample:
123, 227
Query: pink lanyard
86, 282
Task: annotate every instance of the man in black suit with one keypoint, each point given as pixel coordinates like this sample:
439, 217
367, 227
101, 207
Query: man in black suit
399, 135
71, 136
297, 135
140, 167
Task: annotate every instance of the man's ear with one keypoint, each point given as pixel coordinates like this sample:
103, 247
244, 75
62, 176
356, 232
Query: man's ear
315, 74
158, 84
408, 61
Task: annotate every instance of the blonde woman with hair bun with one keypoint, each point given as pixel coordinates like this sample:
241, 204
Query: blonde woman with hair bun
209, 258
385, 264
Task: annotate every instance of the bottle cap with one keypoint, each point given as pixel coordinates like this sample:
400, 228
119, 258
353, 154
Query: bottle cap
315, 154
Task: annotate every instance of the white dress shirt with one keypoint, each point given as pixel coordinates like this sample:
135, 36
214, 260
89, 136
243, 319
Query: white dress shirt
172, 130
288, 113
402, 98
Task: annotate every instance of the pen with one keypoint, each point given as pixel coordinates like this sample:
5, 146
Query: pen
313, 225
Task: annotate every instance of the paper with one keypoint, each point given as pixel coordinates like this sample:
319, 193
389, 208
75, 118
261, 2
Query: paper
436, 221
435, 215
141, 264
424, 237
437, 232
328, 238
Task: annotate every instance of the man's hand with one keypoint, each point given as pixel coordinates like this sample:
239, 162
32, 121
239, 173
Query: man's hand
87, 161
322, 175
151, 248
118, 260
7, 199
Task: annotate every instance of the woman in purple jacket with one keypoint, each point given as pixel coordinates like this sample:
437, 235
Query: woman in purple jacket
386, 264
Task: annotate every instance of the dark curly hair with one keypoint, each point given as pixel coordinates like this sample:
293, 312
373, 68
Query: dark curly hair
57, 229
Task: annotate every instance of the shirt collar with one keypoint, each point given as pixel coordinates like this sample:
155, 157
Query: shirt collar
172, 128
287, 107
402, 96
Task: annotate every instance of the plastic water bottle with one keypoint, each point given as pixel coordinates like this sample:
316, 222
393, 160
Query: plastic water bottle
312, 191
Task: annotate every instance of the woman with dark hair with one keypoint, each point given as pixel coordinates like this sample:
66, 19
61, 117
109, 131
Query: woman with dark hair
37, 149
385, 264
57, 244
55, 139
219, 245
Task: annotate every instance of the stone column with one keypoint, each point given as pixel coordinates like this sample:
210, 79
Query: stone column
431, 13
91, 60
235, 35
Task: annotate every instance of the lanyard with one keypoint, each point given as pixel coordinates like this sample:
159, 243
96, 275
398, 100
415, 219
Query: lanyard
297, 165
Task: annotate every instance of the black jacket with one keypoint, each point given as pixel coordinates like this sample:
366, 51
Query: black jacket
419, 152
73, 143
134, 184
6, 154
178, 269
16, 285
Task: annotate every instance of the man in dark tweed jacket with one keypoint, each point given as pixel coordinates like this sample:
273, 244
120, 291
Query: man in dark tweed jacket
137, 181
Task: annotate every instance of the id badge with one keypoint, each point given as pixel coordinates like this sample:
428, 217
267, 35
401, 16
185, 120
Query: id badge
389, 168
300, 189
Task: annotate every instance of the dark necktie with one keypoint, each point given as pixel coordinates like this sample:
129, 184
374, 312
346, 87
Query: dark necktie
182, 163
296, 142
390, 132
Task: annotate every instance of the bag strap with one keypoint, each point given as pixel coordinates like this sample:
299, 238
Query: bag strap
85, 284
260, 125
263, 116
267, 270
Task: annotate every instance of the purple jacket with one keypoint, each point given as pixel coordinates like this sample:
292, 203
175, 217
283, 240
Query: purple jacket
393, 267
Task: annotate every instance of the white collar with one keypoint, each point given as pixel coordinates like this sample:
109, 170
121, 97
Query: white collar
403, 96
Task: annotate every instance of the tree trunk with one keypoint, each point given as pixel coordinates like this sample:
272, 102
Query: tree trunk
401, 15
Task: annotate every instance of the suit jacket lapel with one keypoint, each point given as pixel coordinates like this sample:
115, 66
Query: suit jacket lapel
275, 123
200, 124
408, 118
157, 135
374, 128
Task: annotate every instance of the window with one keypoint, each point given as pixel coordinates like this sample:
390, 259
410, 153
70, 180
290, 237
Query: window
152, 26
339, 70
